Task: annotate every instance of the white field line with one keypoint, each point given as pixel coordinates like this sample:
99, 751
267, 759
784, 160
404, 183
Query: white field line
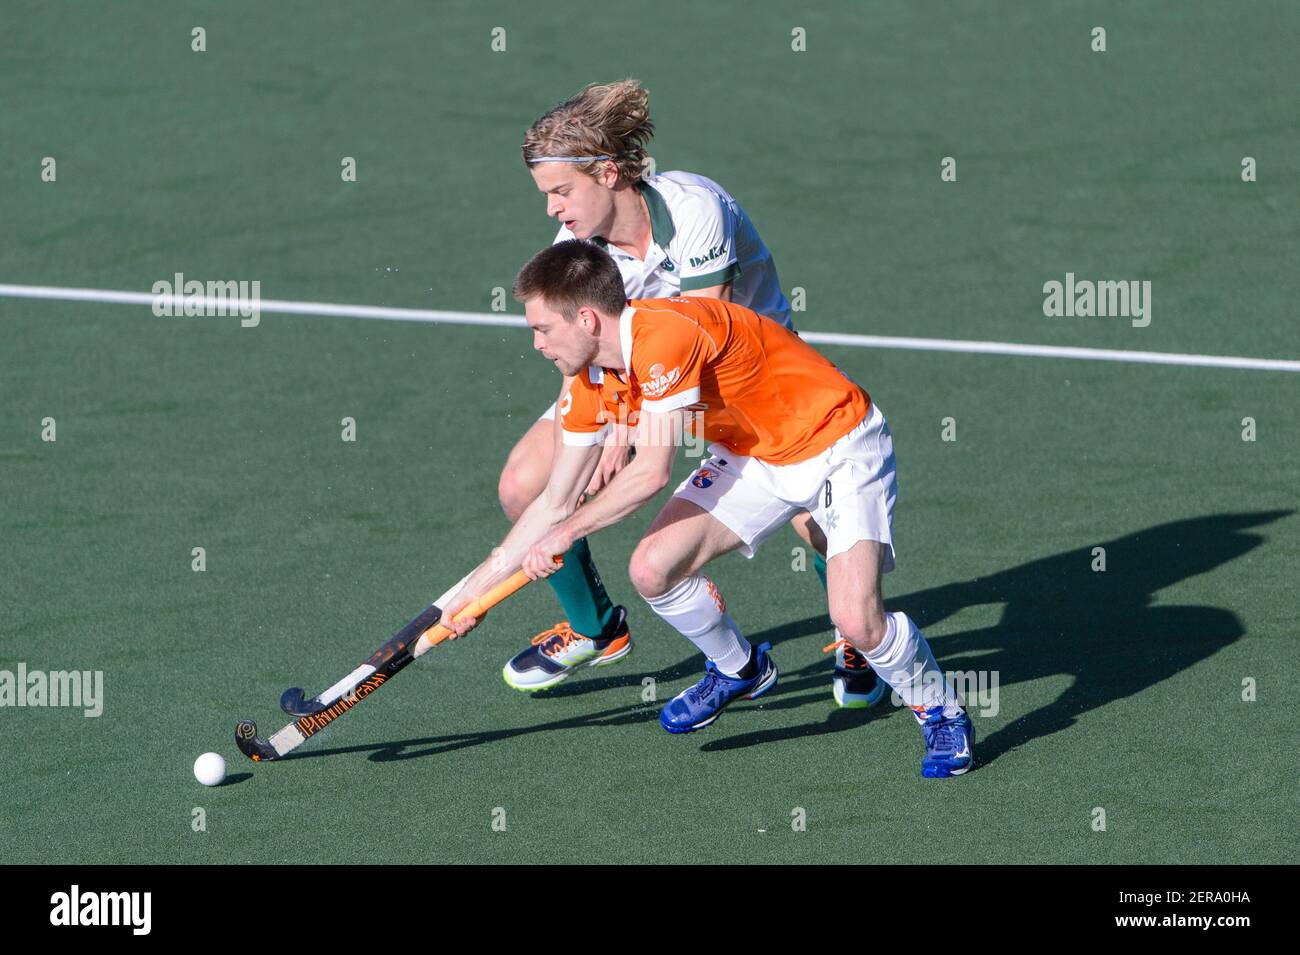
263, 305
817, 338
1051, 351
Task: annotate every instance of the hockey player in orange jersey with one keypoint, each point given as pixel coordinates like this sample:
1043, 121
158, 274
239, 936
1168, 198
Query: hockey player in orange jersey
787, 431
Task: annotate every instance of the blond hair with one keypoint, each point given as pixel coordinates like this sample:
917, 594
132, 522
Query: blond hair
603, 120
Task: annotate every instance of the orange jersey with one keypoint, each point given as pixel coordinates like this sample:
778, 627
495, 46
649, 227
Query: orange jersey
764, 391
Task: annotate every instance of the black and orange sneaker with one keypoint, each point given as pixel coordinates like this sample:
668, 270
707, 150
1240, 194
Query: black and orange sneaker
559, 651
855, 685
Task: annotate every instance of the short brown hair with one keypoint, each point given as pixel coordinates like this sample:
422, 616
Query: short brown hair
611, 119
571, 274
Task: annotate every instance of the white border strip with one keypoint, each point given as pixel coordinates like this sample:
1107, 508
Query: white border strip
818, 338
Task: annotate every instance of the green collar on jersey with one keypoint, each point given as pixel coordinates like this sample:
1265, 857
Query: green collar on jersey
662, 229
661, 223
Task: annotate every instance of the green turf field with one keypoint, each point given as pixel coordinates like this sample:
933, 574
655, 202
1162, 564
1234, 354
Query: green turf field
1121, 690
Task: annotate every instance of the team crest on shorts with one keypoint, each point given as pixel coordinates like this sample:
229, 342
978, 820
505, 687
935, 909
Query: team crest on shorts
704, 478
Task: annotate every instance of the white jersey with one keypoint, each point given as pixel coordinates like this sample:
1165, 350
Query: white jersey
700, 237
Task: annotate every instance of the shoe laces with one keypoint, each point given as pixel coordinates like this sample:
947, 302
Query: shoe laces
706, 686
565, 634
853, 657
945, 737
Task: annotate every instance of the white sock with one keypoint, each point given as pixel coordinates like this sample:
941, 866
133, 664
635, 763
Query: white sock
696, 610
904, 661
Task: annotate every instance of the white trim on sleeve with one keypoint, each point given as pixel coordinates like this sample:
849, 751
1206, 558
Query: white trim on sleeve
625, 337
680, 400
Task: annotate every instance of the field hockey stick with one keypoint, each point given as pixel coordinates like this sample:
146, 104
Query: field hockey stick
413, 640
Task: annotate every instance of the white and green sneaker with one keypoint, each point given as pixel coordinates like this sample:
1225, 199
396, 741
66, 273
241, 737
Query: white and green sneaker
559, 651
855, 685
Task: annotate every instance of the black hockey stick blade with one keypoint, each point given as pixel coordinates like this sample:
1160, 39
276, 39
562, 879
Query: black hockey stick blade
383, 664
251, 745
294, 700
303, 728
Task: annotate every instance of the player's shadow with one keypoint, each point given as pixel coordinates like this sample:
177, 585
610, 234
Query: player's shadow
434, 745
630, 714
810, 676
1060, 616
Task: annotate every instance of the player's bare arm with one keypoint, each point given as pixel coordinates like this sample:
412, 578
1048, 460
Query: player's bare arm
572, 470
657, 439
613, 458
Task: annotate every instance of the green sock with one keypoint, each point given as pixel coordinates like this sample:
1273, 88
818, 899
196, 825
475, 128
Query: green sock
819, 564
582, 595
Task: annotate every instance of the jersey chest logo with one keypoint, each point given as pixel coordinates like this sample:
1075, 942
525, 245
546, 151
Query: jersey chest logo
659, 380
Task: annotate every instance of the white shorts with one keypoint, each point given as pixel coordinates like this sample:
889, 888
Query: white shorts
548, 414
849, 490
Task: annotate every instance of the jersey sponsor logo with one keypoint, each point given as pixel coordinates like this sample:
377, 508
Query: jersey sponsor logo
660, 381
704, 478
713, 253
567, 404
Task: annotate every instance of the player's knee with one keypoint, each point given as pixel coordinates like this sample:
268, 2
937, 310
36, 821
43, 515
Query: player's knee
649, 576
515, 491
862, 629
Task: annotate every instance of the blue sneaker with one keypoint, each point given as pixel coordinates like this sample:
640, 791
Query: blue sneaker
949, 743
701, 704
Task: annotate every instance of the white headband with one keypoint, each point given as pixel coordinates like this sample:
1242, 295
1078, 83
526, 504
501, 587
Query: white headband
574, 159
